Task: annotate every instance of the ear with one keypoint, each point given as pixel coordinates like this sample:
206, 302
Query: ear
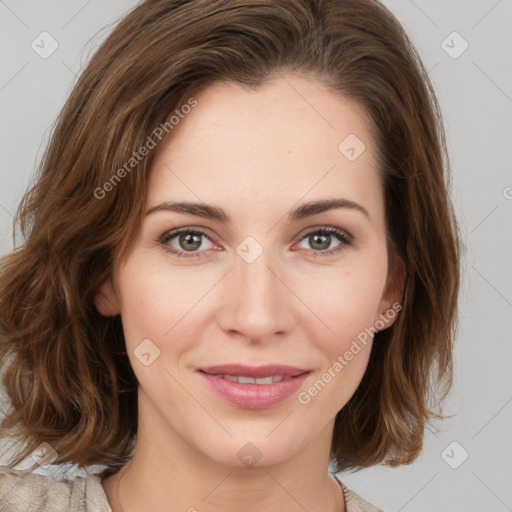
106, 300
390, 303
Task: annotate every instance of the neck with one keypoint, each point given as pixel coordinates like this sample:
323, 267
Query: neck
122, 499
174, 475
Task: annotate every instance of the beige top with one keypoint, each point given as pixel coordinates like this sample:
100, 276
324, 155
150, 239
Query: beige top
22, 490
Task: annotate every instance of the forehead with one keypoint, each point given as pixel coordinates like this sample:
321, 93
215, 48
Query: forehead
276, 144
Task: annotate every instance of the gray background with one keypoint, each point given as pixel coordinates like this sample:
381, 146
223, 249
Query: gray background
475, 93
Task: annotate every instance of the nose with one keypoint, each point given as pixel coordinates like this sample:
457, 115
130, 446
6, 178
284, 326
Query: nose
256, 300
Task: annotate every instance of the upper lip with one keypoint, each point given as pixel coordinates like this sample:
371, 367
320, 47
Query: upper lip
253, 371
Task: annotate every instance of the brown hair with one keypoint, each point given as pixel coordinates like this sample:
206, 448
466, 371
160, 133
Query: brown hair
66, 371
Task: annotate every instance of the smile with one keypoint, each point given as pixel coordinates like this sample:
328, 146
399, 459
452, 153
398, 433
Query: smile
242, 379
247, 392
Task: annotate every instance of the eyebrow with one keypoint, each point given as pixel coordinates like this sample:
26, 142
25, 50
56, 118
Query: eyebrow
213, 212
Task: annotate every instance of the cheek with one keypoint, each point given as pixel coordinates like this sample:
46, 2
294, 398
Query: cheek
345, 350
158, 303
346, 302
347, 305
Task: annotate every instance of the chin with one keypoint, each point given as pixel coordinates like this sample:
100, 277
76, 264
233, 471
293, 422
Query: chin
251, 451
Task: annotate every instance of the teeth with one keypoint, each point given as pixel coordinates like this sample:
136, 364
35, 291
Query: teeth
242, 379
229, 377
264, 380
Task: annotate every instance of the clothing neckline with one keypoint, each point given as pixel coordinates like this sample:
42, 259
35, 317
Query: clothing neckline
343, 488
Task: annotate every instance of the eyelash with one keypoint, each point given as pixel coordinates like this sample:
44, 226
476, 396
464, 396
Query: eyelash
343, 237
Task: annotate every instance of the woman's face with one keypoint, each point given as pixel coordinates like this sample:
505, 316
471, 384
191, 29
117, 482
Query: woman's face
278, 283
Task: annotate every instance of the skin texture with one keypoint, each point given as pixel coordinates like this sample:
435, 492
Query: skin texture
257, 154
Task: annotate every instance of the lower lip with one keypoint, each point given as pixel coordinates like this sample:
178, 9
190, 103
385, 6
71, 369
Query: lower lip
254, 396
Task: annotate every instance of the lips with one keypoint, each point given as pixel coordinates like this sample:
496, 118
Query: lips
250, 387
254, 371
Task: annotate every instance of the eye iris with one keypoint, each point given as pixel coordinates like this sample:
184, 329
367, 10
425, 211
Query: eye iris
315, 239
187, 238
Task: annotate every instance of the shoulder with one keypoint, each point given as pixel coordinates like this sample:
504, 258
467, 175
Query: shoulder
22, 490
354, 502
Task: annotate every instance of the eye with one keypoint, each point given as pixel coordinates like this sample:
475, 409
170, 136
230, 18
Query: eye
320, 240
188, 242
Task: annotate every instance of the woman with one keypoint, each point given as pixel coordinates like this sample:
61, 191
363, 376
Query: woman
240, 264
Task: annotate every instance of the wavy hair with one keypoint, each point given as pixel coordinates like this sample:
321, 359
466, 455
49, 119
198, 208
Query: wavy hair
64, 366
